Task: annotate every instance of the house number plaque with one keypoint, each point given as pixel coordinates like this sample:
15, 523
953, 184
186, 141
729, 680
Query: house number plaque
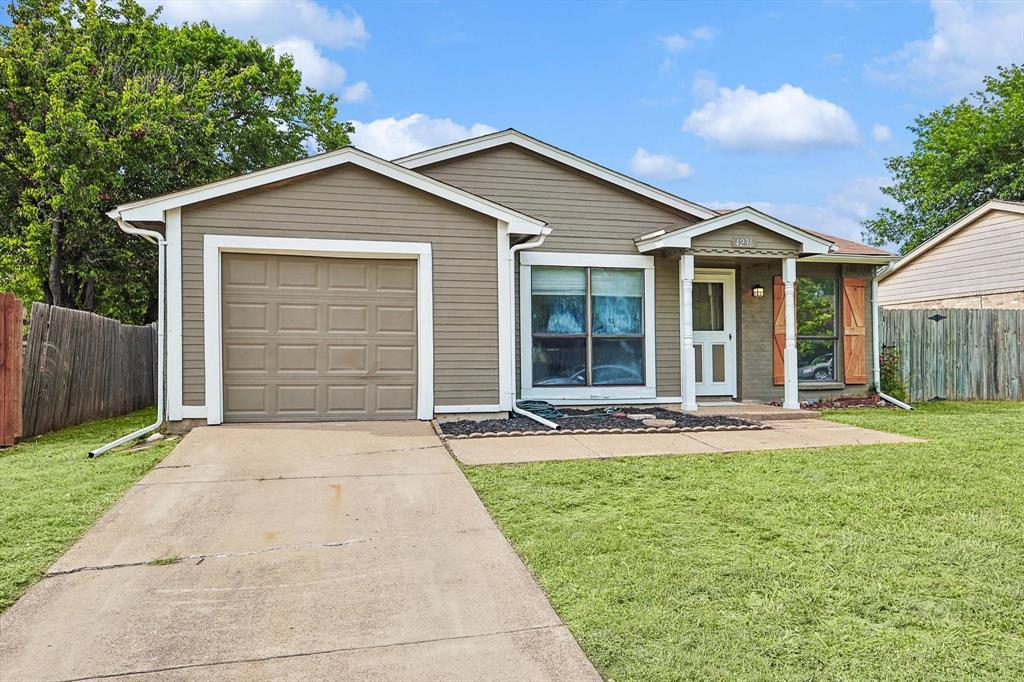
744, 242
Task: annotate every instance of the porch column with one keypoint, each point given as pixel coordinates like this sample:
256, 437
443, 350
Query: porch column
791, 398
688, 380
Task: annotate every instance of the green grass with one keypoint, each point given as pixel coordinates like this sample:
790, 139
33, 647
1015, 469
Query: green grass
50, 493
848, 563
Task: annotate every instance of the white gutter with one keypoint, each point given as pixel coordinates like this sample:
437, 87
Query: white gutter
161, 243
530, 244
877, 346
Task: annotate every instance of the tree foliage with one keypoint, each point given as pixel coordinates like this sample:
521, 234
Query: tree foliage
102, 105
965, 154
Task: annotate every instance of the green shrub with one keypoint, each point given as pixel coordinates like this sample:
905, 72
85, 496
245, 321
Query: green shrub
891, 374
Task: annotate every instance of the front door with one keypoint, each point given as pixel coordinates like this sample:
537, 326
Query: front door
714, 331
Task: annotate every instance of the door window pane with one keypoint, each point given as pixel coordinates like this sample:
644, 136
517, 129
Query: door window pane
559, 362
559, 300
617, 301
618, 362
718, 362
815, 306
816, 360
708, 307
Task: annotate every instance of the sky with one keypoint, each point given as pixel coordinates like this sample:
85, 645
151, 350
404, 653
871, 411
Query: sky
790, 107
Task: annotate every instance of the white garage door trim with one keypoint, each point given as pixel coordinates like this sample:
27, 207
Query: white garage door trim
215, 245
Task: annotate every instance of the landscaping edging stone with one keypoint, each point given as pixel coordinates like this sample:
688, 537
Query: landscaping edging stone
579, 432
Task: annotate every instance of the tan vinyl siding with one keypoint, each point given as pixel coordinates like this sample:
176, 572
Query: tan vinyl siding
353, 203
666, 313
985, 256
754, 316
587, 215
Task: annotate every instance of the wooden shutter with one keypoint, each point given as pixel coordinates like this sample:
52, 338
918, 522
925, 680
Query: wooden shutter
779, 335
854, 335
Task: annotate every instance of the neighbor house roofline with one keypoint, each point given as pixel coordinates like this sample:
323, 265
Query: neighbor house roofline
946, 233
512, 136
153, 209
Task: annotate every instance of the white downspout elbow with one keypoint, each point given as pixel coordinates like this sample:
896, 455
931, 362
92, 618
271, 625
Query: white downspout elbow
876, 343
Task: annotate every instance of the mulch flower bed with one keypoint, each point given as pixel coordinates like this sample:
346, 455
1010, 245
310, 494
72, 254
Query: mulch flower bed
615, 422
842, 402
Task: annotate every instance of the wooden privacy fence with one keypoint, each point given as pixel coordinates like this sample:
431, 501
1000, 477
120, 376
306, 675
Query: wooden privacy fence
80, 366
12, 315
958, 354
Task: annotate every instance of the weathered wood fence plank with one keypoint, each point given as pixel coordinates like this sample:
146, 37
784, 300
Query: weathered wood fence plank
12, 315
80, 366
958, 354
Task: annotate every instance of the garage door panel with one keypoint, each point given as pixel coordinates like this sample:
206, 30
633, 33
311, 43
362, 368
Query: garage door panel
311, 338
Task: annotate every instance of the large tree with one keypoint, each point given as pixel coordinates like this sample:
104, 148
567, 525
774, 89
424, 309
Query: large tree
102, 104
965, 154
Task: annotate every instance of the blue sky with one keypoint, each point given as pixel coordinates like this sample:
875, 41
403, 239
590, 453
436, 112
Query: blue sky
789, 106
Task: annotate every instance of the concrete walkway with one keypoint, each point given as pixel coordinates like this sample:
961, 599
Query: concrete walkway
353, 551
784, 434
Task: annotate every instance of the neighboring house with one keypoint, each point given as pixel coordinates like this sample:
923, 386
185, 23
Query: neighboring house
462, 278
977, 262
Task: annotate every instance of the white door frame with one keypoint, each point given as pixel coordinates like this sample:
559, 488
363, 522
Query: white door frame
727, 336
215, 245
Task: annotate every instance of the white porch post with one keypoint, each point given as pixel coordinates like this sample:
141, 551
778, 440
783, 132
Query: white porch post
791, 398
688, 380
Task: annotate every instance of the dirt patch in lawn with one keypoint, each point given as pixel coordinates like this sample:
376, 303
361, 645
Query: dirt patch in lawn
612, 420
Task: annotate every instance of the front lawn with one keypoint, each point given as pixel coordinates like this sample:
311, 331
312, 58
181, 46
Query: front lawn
847, 563
51, 493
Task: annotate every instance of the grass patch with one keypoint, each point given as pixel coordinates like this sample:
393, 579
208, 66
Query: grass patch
857, 562
52, 493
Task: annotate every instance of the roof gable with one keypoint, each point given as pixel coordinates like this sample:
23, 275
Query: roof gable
510, 136
683, 237
153, 209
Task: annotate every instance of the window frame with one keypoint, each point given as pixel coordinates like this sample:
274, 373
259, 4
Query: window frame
834, 338
569, 393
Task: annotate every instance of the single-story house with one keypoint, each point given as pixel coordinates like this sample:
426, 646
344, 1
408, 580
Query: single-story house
466, 277
977, 262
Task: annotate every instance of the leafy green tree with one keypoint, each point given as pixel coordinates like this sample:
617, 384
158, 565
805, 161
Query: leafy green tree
101, 105
965, 154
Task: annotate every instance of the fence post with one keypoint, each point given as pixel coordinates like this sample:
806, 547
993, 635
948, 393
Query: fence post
12, 315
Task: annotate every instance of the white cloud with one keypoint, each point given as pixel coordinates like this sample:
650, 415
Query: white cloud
391, 138
270, 22
658, 166
785, 119
968, 41
705, 85
840, 215
677, 42
835, 59
317, 71
357, 92
881, 133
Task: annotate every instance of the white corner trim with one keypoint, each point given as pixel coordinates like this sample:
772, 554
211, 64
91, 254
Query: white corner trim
465, 409
153, 209
593, 393
215, 245
534, 145
682, 237
172, 234
193, 412
506, 342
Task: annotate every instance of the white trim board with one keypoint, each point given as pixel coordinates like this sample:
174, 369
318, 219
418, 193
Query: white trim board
536, 146
681, 238
555, 394
467, 409
175, 379
153, 209
215, 245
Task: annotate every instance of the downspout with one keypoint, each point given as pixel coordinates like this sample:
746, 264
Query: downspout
877, 346
530, 244
161, 243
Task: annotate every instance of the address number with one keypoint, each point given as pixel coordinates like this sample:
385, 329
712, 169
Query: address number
744, 241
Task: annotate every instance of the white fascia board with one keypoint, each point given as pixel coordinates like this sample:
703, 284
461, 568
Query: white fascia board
682, 237
927, 245
153, 209
478, 144
851, 258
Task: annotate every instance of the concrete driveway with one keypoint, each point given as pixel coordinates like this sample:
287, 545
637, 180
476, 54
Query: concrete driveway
354, 551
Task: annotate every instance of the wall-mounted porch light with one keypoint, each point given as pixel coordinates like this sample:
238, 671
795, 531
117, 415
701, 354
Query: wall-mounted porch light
757, 291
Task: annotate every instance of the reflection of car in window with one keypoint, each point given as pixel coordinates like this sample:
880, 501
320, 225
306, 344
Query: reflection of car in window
607, 375
818, 369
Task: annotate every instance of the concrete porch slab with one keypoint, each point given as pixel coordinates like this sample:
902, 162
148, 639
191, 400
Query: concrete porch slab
785, 434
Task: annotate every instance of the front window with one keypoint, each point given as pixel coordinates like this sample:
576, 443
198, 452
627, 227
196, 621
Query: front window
816, 328
588, 326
